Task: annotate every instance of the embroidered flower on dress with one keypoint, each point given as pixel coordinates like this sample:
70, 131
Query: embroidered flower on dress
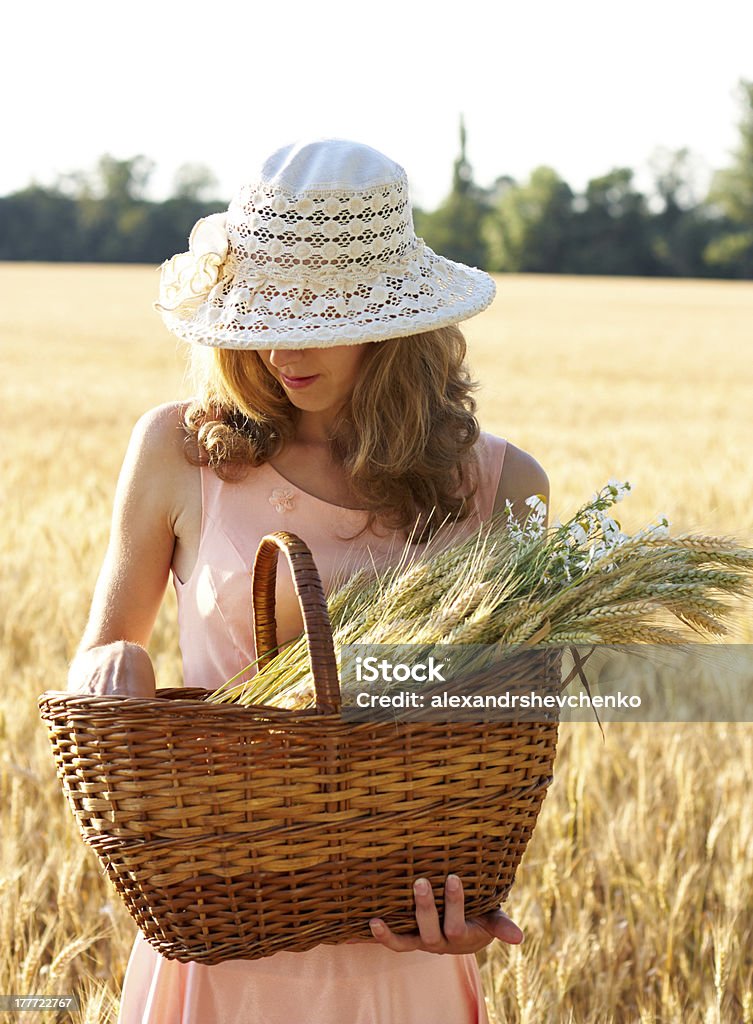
282, 499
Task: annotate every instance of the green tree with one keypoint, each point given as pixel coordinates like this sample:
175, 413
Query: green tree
455, 228
611, 231
731, 194
195, 182
39, 224
113, 213
170, 224
681, 228
123, 182
528, 230
103, 215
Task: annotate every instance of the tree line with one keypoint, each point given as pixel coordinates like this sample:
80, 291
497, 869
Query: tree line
541, 225
537, 225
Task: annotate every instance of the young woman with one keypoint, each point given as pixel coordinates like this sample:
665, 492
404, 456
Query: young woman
333, 401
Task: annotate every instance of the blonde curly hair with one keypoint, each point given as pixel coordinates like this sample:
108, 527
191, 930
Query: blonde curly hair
406, 438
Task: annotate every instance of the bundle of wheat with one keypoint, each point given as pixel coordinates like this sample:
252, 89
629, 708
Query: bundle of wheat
581, 582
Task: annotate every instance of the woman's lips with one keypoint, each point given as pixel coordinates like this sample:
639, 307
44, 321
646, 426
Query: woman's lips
297, 382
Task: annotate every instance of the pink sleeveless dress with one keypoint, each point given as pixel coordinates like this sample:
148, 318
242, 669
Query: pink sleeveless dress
357, 983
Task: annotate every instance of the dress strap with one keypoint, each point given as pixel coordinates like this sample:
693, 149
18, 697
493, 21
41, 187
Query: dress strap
492, 451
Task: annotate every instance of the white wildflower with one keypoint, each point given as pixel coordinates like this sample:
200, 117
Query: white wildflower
618, 489
537, 504
660, 529
535, 528
609, 527
577, 533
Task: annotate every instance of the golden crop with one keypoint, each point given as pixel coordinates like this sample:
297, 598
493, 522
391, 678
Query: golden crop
635, 892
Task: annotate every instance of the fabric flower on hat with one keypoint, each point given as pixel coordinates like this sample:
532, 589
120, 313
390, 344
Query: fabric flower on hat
188, 278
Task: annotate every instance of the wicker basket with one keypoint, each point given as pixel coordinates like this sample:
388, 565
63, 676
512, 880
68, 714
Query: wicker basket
234, 832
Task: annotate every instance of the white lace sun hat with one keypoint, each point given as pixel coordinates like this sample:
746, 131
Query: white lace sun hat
318, 251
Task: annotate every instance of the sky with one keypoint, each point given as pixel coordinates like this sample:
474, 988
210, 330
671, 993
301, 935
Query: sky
582, 86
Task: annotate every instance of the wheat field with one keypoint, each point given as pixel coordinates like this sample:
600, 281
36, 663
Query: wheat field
635, 892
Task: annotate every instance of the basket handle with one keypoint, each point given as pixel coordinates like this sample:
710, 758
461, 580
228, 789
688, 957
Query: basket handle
310, 593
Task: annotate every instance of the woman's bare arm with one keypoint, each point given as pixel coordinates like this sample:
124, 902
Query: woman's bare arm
521, 477
111, 657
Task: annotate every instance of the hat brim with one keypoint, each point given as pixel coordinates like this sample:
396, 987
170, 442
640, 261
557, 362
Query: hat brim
248, 311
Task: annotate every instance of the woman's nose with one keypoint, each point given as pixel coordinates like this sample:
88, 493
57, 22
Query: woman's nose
281, 357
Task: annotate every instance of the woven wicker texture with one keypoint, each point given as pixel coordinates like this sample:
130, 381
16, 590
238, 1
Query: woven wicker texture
234, 832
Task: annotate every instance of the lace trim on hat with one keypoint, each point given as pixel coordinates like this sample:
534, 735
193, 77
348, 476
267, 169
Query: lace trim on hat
319, 230
259, 314
317, 267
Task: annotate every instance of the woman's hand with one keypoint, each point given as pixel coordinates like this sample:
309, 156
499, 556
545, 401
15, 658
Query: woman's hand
117, 668
456, 934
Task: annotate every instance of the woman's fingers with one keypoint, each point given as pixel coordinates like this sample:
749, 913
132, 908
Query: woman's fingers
427, 917
454, 909
429, 936
455, 935
400, 943
498, 924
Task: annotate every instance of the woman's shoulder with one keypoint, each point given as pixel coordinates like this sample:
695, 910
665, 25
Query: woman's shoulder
490, 443
520, 473
156, 456
161, 431
162, 420
157, 478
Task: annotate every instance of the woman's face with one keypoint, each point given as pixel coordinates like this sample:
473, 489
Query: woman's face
316, 379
